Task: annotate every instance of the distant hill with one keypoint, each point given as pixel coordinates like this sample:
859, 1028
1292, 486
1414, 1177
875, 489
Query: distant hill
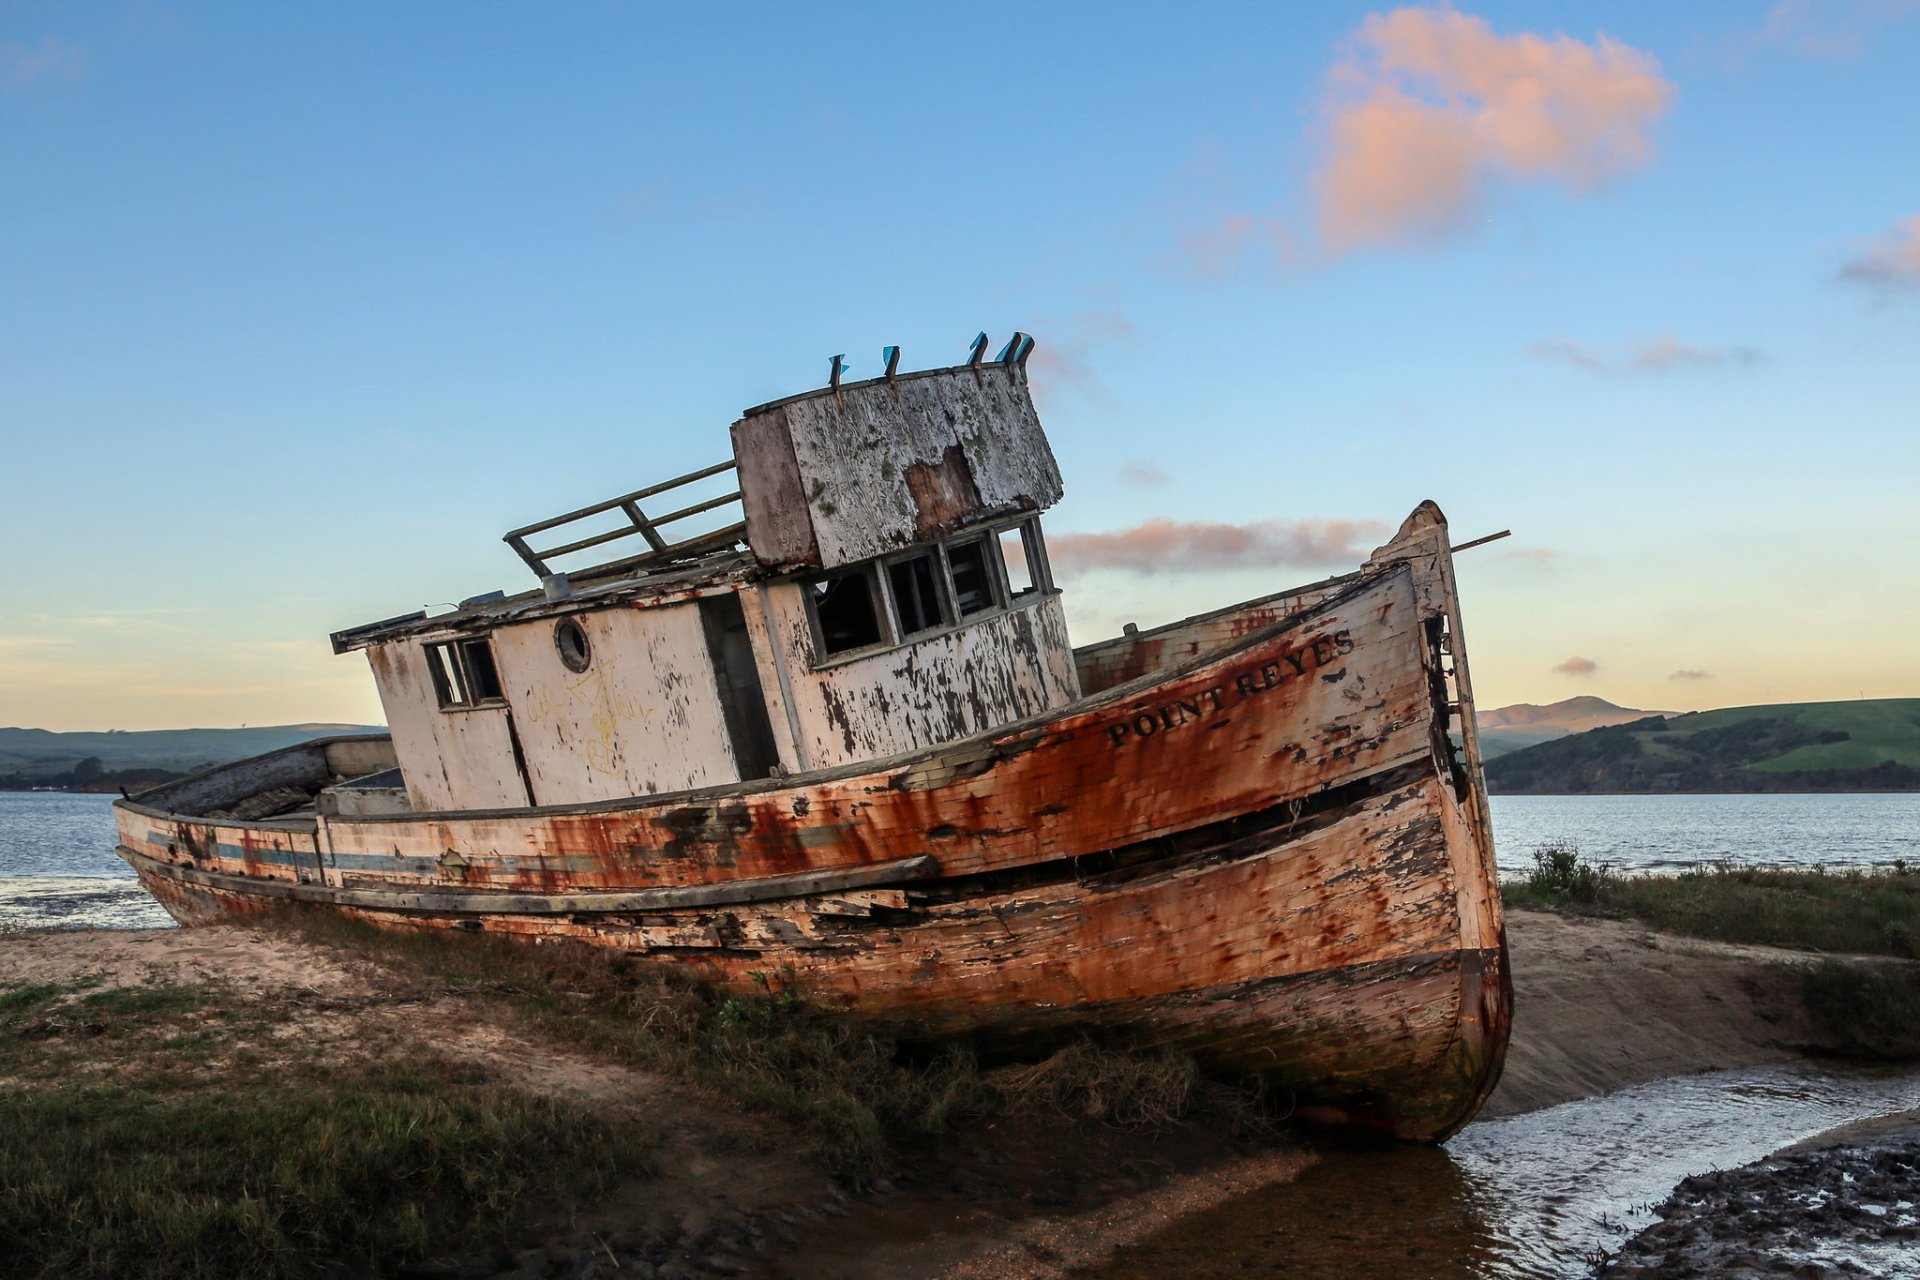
1868, 745
28, 755
1505, 729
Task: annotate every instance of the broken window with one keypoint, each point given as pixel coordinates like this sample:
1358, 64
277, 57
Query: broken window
1025, 559
973, 578
917, 599
845, 608
463, 673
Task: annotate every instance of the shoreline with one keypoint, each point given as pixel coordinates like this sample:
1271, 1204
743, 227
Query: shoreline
1053, 1199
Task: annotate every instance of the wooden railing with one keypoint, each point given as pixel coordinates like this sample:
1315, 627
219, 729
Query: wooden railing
660, 546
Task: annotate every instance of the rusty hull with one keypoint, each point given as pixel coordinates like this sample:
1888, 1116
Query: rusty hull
1268, 854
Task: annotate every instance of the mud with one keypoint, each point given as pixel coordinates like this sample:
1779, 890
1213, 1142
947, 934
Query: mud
1829, 1211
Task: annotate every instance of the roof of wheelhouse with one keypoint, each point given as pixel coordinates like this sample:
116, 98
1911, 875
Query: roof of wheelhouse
827, 478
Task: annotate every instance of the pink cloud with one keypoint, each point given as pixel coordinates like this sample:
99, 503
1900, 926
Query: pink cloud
1430, 107
1213, 252
1163, 544
53, 58
1062, 351
1146, 474
1576, 666
1665, 354
1691, 675
1893, 264
1828, 28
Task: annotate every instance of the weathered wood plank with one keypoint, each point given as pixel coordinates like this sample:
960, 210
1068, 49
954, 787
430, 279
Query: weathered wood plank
884, 465
459, 901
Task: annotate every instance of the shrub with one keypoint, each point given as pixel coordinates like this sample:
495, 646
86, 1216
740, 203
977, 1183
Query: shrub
1561, 875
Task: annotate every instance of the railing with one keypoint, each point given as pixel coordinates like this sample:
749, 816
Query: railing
659, 546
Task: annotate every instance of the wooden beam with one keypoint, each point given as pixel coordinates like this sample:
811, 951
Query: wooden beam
456, 900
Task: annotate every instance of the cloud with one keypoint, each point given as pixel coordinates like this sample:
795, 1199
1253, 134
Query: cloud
1213, 252
1892, 265
1666, 354
1691, 675
1062, 350
1163, 545
1533, 557
1828, 28
52, 59
1429, 108
1144, 474
1576, 666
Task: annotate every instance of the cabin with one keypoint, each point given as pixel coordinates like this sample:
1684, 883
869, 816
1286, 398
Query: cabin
874, 582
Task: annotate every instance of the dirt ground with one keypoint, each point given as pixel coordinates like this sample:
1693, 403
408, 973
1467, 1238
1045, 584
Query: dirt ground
744, 1207
1580, 987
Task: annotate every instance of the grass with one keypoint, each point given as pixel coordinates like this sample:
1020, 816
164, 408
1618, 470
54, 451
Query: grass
1839, 912
854, 1095
1865, 1011
1868, 1009
164, 1131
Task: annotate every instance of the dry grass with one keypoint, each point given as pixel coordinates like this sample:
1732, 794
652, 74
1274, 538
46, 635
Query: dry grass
854, 1095
170, 1131
1838, 912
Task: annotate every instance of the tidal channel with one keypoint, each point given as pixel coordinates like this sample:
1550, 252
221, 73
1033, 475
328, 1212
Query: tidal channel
1536, 1195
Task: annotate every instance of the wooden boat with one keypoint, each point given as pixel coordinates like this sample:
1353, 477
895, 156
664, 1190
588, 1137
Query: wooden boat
845, 743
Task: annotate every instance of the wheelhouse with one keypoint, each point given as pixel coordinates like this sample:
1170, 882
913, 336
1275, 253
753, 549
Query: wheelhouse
875, 581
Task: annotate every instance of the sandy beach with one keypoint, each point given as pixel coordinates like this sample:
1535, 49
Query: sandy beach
1601, 1005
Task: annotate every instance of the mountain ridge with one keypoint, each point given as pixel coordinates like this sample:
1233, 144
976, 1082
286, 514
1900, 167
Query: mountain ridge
1526, 724
1862, 745
27, 754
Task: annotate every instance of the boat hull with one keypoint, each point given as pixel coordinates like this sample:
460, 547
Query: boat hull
1271, 856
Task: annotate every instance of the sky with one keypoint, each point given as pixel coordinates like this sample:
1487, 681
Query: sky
302, 307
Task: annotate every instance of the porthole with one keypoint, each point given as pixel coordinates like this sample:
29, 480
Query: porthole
571, 639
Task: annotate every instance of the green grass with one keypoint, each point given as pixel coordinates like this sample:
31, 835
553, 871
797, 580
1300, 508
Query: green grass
854, 1096
1860, 745
1877, 730
163, 1131
1887, 729
1838, 912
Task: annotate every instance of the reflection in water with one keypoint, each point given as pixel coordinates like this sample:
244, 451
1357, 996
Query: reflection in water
1387, 1213
1524, 1196
77, 902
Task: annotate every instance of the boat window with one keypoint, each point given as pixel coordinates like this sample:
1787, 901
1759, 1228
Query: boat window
1020, 551
444, 667
571, 639
463, 673
973, 578
483, 678
917, 600
844, 607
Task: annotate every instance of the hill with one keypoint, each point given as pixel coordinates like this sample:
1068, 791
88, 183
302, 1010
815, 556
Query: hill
1869, 745
1524, 724
31, 757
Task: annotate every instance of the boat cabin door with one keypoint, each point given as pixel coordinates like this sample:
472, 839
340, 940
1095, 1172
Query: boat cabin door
742, 700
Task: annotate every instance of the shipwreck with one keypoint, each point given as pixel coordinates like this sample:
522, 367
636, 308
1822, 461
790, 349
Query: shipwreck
828, 726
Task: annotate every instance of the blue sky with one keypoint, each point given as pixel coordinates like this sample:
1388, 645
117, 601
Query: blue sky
302, 307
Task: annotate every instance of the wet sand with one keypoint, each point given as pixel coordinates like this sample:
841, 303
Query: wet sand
1600, 1005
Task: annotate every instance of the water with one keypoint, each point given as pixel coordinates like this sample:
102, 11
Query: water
1527, 1197
58, 868
1666, 833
